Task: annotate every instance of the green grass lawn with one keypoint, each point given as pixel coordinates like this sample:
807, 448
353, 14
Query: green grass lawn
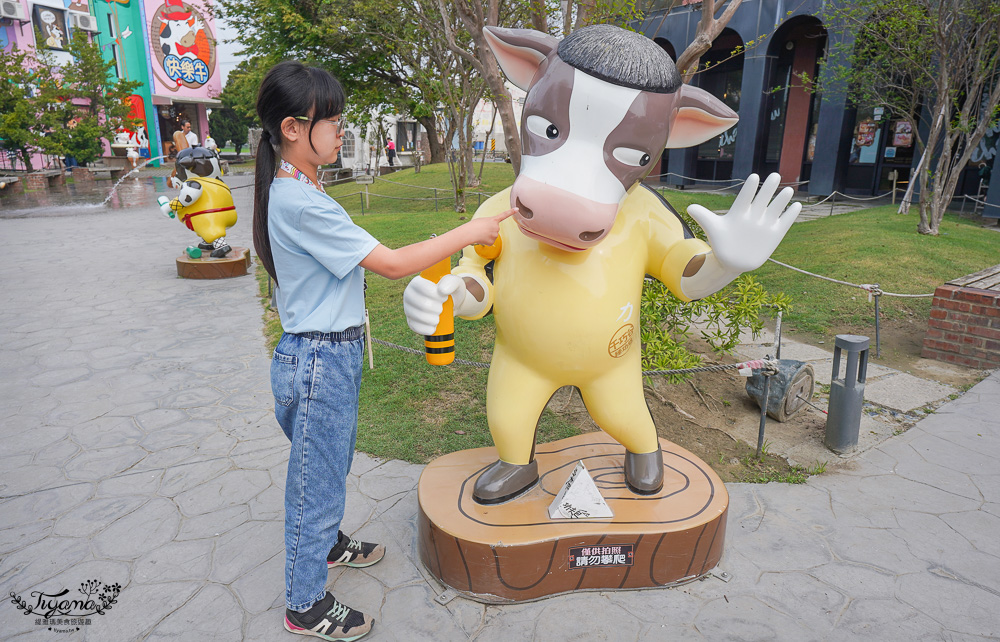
874, 245
415, 412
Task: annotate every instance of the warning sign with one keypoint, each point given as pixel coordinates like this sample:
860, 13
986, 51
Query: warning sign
589, 556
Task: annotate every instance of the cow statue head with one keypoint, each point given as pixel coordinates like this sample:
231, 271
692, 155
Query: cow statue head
602, 104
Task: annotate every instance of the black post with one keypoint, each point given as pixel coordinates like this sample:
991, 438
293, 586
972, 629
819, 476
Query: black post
435, 199
362, 197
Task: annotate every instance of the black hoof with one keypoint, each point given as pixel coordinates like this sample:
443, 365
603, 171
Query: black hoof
208, 247
502, 482
221, 252
644, 473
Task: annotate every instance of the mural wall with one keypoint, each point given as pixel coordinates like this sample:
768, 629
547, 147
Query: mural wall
182, 47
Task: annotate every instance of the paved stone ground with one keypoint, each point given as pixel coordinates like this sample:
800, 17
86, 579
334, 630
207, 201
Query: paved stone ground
137, 446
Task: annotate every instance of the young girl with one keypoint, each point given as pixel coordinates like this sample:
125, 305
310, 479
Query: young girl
317, 256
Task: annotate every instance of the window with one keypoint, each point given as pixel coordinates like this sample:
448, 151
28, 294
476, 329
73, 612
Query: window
347, 151
406, 136
725, 84
115, 53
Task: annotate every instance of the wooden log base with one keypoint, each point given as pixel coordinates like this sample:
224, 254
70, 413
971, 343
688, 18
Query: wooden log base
236, 263
513, 552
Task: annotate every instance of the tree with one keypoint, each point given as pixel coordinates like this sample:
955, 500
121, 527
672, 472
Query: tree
17, 109
708, 29
232, 122
228, 125
359, 41
104, 105
935, 62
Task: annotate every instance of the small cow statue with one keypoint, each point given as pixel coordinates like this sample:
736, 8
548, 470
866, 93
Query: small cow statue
204, 204
568, 271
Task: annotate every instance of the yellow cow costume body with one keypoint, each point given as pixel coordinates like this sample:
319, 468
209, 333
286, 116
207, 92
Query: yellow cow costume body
573, 319
601, 104
212, 213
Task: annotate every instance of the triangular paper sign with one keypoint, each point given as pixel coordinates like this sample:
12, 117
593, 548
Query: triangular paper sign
579, 498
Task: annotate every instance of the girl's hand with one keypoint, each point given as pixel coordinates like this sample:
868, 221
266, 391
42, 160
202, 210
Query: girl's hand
485, 230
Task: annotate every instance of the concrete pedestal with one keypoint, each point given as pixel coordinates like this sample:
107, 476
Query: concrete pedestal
236, 263
513, 552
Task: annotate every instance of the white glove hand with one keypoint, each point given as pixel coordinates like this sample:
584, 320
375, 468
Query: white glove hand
175, 182
423, 301
164, 203
745, 237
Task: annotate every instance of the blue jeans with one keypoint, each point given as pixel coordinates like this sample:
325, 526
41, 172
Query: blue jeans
316, 380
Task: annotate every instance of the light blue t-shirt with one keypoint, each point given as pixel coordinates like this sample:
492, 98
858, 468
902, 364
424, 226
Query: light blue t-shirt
316, 249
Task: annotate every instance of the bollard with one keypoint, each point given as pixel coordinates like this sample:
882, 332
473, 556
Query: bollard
846, 395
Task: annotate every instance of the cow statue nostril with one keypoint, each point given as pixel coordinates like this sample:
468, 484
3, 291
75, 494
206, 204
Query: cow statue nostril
591, 236
524, 211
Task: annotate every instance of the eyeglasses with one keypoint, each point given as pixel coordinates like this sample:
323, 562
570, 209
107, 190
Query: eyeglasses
339, 124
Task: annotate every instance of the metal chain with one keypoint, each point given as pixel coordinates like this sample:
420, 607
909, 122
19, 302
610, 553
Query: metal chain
767, 365
871, 288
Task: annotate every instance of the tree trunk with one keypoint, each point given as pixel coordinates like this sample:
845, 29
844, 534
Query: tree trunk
708, 29
511, 135
489, 135
436, 150
486, 64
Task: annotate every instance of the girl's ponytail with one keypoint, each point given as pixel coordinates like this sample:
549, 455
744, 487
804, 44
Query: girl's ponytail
289, 89
267, 161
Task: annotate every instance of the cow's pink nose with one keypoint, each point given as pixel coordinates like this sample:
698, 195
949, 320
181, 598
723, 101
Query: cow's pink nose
591, 236
523, 209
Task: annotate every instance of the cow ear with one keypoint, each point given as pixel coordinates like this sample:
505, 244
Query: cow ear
520, 52
700, 117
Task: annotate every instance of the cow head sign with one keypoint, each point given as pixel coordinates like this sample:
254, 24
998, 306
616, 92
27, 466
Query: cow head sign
602, 105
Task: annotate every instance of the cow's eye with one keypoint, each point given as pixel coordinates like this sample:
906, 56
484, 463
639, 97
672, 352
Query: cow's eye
629, 156
542, 127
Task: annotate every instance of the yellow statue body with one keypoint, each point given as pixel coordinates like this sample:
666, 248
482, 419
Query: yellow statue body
204, 204
572, 319
212, 213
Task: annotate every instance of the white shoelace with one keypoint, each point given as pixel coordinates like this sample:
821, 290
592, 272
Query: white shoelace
339, 611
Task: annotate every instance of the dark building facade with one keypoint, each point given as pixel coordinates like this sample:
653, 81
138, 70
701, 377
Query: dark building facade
819, 143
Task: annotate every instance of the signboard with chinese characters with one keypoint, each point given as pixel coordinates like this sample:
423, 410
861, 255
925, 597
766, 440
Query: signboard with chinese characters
591, 556
182, 41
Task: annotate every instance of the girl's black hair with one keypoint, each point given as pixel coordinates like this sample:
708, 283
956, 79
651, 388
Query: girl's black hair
289, 89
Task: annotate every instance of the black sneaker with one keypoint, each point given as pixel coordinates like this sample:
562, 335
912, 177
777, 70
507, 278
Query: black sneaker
351, 552
328, 619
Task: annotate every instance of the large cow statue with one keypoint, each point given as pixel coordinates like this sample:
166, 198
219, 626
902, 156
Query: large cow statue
568, 269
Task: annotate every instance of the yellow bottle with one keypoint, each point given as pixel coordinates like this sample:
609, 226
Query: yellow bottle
439, 348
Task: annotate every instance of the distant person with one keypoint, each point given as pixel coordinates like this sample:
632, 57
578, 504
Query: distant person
390, 150
318, 257
190, 136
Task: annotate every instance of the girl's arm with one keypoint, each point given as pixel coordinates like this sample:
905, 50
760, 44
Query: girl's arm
410, 259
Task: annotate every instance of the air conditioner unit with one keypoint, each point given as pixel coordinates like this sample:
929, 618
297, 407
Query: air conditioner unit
13, 9
84, 21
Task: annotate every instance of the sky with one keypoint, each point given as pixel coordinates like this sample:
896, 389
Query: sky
228, 59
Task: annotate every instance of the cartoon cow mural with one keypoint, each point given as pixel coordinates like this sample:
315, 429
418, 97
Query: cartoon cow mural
179, 33
569, 266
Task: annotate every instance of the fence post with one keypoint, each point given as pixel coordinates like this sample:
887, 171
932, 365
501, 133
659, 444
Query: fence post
435, 199
361, 196
878, 352
833, 201
479, 200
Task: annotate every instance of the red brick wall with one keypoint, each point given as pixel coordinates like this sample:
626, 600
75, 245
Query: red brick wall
964, 327
36, 181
